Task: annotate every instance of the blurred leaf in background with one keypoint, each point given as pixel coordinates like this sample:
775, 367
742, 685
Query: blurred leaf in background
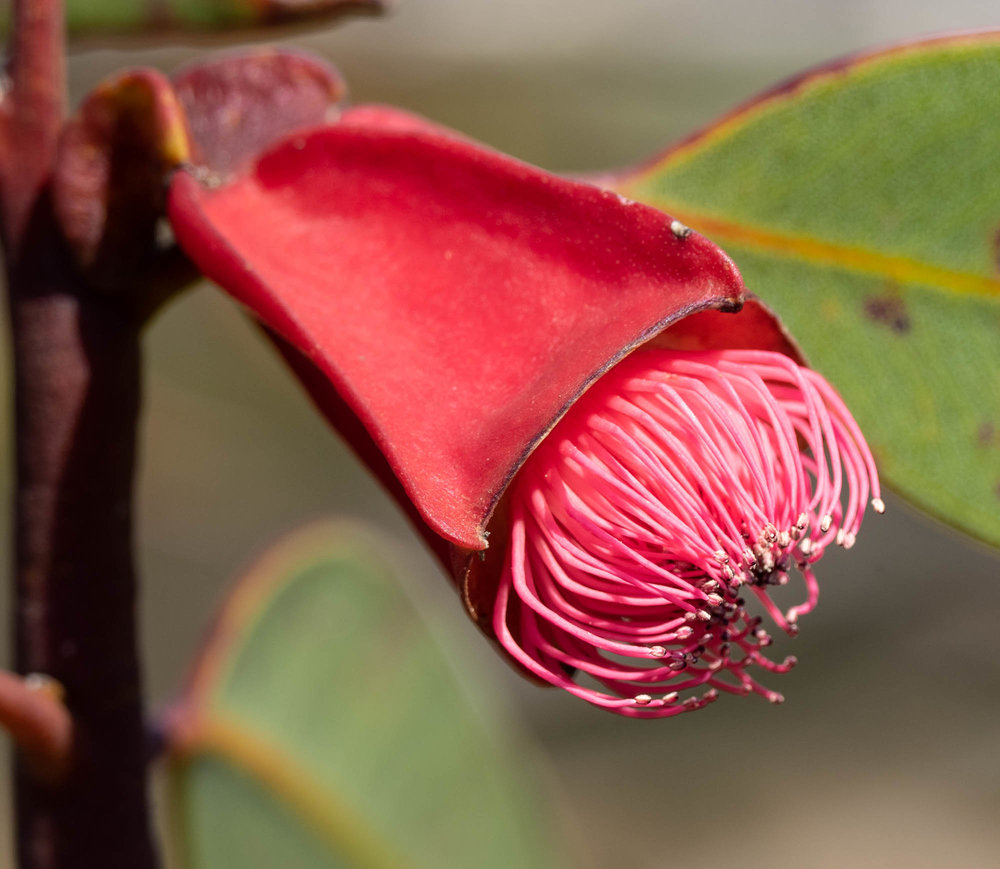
862, 201
324, 726
87, 17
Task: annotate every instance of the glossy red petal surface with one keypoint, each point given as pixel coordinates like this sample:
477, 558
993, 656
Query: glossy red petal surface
457, 299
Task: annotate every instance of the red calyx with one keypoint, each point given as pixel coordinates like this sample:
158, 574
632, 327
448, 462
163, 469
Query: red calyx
453, 299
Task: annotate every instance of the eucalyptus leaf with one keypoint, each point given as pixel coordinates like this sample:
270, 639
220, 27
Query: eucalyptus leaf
153, 16
862, 202
325, 726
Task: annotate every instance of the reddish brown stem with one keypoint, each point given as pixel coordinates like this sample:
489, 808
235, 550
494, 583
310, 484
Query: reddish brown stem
76, 402
33, 111
32, 712
76, 369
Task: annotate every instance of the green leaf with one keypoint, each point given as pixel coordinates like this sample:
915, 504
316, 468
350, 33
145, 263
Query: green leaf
325, 727
862, 202
152, 16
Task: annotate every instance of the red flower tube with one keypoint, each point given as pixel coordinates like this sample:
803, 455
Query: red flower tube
596, 429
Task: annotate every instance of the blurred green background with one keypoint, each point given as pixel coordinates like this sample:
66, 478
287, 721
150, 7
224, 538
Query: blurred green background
886, 751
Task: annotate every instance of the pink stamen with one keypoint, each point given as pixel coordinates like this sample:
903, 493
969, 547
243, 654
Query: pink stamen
679, 478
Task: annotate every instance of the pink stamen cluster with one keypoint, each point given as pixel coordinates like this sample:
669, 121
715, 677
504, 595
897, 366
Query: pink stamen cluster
677, 482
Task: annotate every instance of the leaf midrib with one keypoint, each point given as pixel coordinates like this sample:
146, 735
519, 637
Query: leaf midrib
901, 269
342, 830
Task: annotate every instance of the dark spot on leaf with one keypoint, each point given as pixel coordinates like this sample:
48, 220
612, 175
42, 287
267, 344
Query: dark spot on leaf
889, 310
987, 435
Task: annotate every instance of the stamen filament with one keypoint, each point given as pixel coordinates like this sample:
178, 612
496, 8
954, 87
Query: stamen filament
678, 478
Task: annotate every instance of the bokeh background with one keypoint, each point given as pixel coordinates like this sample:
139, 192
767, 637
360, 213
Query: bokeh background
886, 753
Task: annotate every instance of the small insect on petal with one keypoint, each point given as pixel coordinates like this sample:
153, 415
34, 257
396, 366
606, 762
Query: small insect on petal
679, 229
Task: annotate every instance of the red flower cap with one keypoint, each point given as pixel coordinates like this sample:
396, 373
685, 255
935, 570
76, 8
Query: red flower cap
458, 299
446, 305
